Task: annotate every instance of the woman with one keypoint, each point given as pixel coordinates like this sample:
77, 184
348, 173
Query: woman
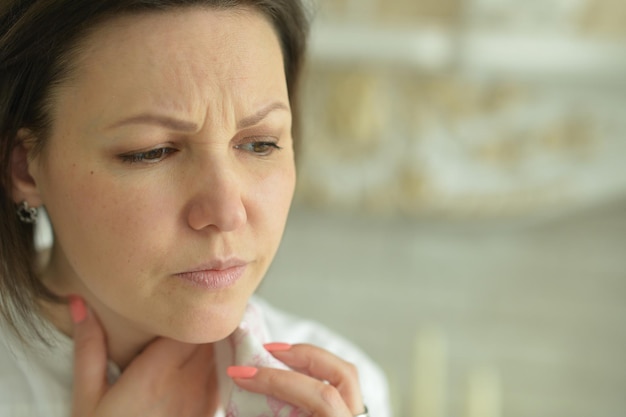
157, 134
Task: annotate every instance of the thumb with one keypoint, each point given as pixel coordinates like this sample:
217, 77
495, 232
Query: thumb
90, 359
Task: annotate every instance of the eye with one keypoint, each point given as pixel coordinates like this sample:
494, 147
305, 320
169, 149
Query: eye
261, 148
149, 157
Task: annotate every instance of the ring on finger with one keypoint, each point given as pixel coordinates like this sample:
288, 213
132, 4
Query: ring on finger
364, 413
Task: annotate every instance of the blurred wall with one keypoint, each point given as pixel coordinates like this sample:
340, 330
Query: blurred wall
461, 207
475, 107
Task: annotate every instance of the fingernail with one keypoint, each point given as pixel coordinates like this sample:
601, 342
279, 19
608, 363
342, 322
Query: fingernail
241, 371
277, 347
78, 310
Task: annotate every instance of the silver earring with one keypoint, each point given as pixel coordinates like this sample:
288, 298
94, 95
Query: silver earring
26, 213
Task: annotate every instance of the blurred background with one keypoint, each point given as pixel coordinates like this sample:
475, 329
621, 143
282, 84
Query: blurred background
461, 210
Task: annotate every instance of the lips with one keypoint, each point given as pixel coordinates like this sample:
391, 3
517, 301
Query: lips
215, 275
216, 265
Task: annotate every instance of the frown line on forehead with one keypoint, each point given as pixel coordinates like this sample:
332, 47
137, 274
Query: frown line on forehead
185, 126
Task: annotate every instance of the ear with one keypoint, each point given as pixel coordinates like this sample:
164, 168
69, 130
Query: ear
24, 185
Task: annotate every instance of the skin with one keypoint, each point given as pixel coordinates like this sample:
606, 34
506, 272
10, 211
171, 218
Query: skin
135, 199
124, 229
164, 380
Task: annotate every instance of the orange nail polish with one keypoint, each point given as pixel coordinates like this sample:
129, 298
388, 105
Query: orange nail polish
277, 347
78, 310
241, 371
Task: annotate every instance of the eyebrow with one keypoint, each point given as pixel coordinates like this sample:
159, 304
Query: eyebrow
262, 114
178, 125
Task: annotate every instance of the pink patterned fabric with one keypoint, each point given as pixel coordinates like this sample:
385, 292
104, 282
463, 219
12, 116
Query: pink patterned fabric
247, 345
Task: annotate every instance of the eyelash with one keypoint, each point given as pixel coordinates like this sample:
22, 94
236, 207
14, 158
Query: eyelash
156, 155
269, 147
142, 157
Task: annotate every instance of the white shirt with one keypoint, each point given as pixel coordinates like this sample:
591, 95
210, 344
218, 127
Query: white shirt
36, 381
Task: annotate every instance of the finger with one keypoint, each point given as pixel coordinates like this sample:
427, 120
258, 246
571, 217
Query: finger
325, 366
308, 394
161, 358
151, 370
153, 380
90, 359
201, 369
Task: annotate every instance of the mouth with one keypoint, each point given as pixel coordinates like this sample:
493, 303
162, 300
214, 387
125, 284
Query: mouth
215, 275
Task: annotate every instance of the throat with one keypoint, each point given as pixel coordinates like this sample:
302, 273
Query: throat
123, 340
122, 343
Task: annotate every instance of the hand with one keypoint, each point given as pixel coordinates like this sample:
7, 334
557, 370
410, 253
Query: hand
168, 378
321, 384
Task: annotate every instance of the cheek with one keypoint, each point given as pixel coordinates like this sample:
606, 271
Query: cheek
104, 224
95, 206
273, 200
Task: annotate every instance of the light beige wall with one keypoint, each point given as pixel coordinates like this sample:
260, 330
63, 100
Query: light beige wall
468, 158
483, 107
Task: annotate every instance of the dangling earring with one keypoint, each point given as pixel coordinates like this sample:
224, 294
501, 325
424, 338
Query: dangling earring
26, 213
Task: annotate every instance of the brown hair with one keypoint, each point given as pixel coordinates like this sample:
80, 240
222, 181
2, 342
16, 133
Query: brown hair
38, 39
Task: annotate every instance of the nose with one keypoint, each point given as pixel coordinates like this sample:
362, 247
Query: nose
218, 198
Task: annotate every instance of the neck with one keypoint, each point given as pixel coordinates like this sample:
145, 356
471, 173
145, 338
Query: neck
124, 340
123, 343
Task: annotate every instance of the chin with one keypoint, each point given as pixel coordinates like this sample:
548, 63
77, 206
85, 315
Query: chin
201, 328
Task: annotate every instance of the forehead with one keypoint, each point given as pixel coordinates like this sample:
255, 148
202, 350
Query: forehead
156, 31
179, 58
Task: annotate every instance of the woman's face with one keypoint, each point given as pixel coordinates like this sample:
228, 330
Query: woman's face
169, 172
